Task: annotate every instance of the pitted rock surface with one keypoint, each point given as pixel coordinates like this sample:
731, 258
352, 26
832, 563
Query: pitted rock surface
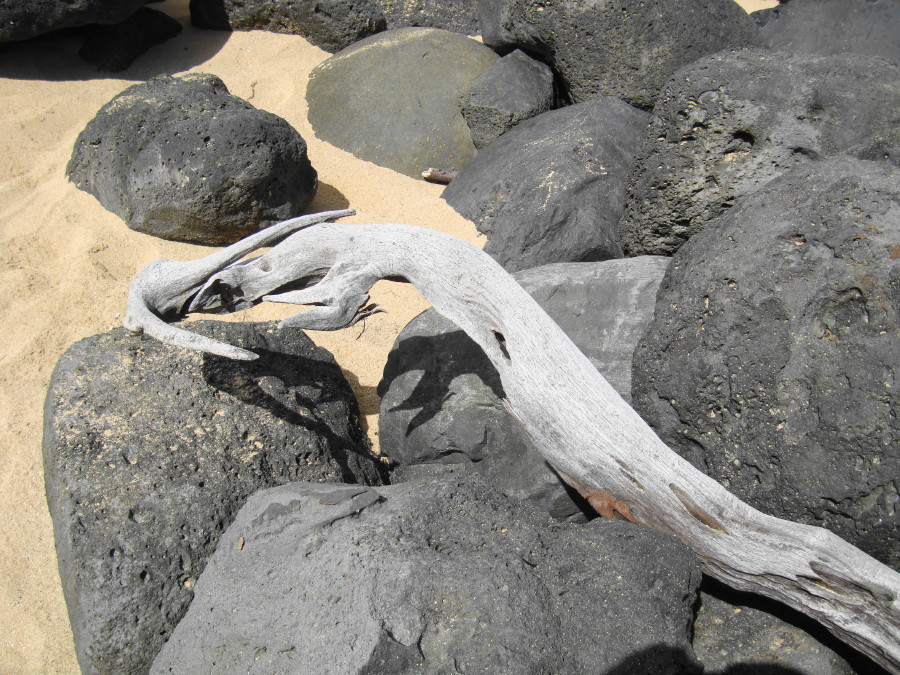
149, 452
181, 158
772, 360
728, 124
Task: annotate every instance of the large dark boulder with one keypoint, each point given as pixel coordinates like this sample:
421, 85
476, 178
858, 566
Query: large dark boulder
149, 452
113, 48
442, 398
728, 124
329, 24
772, 359
459, 16
835, 27
616, 48
23, 19
433, 577
512, 89
552, 188
393, 98
181, 158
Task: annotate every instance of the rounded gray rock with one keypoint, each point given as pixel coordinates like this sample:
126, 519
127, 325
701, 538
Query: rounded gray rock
182, 159
393, 98
552, 188
729, 123
433, 577
772, 359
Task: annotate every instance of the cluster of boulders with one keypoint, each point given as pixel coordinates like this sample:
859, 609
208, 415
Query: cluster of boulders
708, 204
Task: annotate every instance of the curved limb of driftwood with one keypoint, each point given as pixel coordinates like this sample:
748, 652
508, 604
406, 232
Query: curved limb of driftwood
581, 425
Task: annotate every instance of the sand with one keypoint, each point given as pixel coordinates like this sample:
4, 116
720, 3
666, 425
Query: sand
66, 263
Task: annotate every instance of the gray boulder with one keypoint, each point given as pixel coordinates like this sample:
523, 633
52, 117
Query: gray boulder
771, 360
432, 577
113, 48
149, 452
614, 48
730, 123
23, 19
392, 99
181, 158
736, 634
552, 188
329, 24
835, 27
459, 16
442, 399
513, 88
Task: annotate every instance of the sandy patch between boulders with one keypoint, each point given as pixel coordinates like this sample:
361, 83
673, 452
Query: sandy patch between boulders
65, 266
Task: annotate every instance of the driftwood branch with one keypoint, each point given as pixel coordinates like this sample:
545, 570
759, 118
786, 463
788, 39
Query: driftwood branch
581, 425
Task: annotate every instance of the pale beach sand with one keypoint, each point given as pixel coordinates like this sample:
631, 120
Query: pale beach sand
66, 263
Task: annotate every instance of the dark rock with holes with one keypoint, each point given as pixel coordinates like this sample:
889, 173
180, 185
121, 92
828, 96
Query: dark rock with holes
459, 16
552, 188
835, 27
513, 88
393, 98
442, 398
329, 24
433, 577
24, 19
772, 359
737, 633
113, 49
181, 158
616, 48
149, 452
730, 123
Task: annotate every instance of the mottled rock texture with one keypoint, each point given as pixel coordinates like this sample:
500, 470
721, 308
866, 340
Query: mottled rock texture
772, 360
149, 452
181, 158
442, 398
459, 16
393, 98
835, 27
432, 577
512, 89
552, 188
730, 123
622, 48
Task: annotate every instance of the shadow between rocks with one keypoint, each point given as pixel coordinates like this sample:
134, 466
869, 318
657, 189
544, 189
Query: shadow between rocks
282, 384
441, 359
328, 198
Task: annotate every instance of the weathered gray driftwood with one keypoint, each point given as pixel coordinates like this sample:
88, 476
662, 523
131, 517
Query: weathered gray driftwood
581, 425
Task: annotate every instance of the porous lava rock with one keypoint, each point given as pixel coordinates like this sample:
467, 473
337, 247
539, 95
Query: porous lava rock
181, 158
459, 16
728, 124
552, 188
24, 19
513, 88
114, 48
149, 452
393, 98
835, 27
328, 24
433, 577
772, 359
442, 400
622, 48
